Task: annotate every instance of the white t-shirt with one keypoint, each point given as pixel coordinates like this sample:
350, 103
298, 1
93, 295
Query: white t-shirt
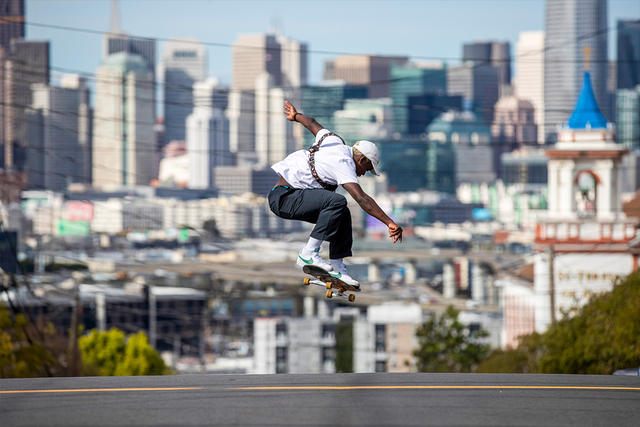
334, 164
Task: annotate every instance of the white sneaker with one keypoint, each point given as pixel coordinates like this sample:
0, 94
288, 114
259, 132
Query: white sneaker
312, 257
342, 274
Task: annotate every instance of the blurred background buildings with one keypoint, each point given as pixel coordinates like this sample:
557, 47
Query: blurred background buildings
512, 170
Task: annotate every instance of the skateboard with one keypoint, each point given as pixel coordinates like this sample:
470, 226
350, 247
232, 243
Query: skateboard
324, 279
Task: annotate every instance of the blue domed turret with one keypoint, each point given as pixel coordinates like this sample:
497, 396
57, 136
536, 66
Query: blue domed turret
587, 114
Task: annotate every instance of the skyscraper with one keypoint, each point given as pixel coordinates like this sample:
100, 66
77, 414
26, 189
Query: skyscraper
490, 53
478, 85
628, 134
184, 62
370, 71
11, 21
530, 75
11, 27
28, 63
274, 138
414, 79
293, 62
321, 102
628, 67
253, 55
85, 123
241, 115
55, 156
117, 41
207, 134
575, 39
124, 139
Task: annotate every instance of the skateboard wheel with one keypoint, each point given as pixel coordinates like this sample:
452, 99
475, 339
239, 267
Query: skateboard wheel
352, 298
328, 285
329, 294
306, 281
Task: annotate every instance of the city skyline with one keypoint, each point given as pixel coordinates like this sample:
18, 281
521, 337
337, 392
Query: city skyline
354, 31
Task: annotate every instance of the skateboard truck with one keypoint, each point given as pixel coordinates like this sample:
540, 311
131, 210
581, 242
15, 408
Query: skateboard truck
330, 292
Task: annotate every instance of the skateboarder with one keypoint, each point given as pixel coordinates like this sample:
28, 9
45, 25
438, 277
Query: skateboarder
306, 192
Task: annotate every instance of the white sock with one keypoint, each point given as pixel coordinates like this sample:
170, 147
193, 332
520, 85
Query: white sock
336, 263
313, 244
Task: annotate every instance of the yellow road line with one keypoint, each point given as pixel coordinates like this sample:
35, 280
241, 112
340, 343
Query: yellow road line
496, 387
400, 387
82, 390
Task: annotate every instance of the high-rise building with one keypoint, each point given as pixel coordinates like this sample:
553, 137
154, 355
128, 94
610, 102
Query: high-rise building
412, 163
423, 109
414, 79
628, 65
207, 134
27, 63
124, 139
55, 156
575, 34
478, 85
370, 119
373, 72
274, 138
11, 21
11, 27
85, 123
470, 137
530, 75
321, 102
513, 127
628, 134
241, 115
184, 62
116, 41
492, 53
293, 62
253, 55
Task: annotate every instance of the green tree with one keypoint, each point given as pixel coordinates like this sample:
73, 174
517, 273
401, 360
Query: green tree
111, 353
597, 338
102, 352
446, 345
140, 358
20, 356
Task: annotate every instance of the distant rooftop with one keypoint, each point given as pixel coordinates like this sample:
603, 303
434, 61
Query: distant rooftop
126, 62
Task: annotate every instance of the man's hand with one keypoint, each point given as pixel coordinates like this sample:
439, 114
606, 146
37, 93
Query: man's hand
290, 111
395, 232
308, 122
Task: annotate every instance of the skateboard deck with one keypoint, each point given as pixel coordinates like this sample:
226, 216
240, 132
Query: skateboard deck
324, 279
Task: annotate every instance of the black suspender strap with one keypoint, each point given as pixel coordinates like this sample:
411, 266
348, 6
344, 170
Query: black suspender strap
312, 150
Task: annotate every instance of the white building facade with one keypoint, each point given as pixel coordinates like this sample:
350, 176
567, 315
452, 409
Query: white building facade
124, 139
207, 134
184, 62
530, 75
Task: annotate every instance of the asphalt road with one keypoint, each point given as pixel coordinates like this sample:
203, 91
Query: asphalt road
323, 400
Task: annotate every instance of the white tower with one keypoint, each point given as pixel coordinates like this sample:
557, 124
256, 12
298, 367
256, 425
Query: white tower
583, 245
530, 75
184, 62
124, 141
207, 134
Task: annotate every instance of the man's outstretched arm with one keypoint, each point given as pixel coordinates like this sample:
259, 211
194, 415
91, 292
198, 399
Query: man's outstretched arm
371, 207
308, 122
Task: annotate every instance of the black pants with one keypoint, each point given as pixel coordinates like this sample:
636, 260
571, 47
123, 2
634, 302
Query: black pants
327, 210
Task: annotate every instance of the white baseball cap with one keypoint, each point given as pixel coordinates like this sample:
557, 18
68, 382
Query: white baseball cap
370, 151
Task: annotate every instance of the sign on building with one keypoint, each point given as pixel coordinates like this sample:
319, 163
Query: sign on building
79, 211
72, 228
